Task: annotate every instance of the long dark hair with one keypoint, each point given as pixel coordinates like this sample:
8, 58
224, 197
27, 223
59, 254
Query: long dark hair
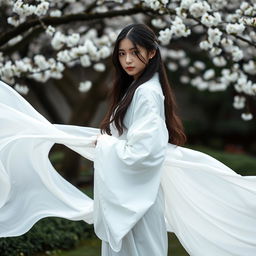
124, 85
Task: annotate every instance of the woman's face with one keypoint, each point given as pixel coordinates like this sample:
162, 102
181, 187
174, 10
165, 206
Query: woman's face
129, 60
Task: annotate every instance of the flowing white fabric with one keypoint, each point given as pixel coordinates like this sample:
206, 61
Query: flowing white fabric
30, 189
211, 209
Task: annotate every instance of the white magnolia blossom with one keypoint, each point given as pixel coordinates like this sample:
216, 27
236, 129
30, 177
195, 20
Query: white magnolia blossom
248, 21
211, 20
219, 61
50, 30
184, 62
15, 40
214, 51
15, 21
104, 40
244, 85
58, 40
176, 54
244, 6
22, 89
250, 67
41, 62
233, 18
42, 8
104, 52
237, 53
227, 44
55, 13
7, 73
22, 66
192, 70
23, 9
205, 45
165, 36
185, 4
92, 50
179, 29
184, 79
228, 76
209, 74
247, 116
180, 12
56, 70
199, 83
64, 56
216, 87
100, 67
239, 102
235, 28
101, 9
172, 66
155, 4
158, 23
199, 65
198, 9
72, 40
85, 61
214, 35
78, 51
85, 86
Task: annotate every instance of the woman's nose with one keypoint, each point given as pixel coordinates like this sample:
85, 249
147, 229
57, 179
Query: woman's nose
128, 58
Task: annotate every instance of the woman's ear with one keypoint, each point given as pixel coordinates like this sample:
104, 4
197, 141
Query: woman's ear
152, 54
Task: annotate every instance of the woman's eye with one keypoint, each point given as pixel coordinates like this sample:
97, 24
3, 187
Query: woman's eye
135, 52
121, 54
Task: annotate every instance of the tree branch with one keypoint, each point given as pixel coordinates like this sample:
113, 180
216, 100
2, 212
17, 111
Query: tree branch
7, 50
223, 31
55, 21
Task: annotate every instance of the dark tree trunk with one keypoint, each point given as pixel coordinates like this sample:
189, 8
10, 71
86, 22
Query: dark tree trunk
82, 114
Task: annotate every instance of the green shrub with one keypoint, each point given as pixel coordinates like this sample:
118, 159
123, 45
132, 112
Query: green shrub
49, 234
241, 163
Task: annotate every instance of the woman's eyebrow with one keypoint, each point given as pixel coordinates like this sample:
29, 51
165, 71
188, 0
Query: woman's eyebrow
129, 49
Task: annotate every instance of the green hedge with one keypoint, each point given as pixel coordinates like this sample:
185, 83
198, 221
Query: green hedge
240, 163
49, 235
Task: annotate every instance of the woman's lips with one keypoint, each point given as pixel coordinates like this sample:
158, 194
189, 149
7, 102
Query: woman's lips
129, 68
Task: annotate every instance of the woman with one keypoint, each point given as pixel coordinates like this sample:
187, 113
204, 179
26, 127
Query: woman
145, 182
142, 120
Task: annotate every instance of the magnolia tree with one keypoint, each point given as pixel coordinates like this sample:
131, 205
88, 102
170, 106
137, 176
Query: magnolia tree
218, 52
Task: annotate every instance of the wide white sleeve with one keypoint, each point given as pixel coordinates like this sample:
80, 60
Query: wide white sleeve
127, 172
147, 137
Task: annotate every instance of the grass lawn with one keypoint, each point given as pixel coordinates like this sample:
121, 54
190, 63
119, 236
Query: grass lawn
91, 247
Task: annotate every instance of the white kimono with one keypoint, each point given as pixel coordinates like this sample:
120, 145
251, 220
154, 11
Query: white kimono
140, 179
128, 175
